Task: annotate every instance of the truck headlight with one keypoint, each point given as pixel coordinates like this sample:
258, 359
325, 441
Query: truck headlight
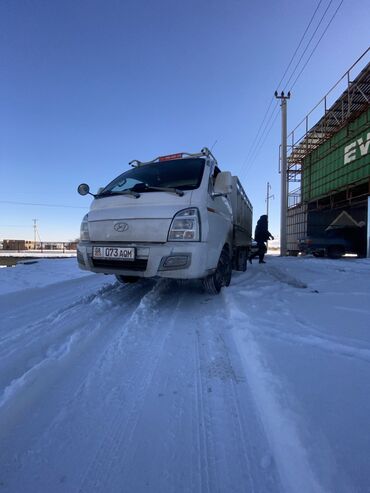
185, 226
84, 230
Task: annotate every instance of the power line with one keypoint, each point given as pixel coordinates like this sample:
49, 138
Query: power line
251, 149
260, 140
313, 51
270, 128
258, 137
299, 44
42, 205
262, 137
265, 137
308, 44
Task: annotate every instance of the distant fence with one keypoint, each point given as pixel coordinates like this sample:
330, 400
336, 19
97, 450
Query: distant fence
41, 247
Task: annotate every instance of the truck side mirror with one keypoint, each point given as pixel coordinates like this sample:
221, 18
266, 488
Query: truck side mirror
83, 189
223, 184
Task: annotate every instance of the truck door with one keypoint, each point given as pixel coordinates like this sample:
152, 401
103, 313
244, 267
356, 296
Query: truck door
219, 219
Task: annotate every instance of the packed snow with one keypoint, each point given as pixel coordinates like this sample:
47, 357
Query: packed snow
159, 387
37, 273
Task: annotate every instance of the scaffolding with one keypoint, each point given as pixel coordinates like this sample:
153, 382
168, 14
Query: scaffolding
354, 99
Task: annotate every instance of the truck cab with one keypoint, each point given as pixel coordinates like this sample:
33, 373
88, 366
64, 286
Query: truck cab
170, 217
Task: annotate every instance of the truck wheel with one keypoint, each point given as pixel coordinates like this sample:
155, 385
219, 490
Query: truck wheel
293, 253
335, 252
127, 279
318, 254
222, 275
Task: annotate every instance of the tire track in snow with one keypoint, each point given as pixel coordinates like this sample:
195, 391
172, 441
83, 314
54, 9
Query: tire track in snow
112, 403
31, 305
210, 457
234, 449
25, 335
38, 438
325, 344
329, 344
315, 338
203, 446
289, 453
117, 439
57, 335
244, 432
285, 278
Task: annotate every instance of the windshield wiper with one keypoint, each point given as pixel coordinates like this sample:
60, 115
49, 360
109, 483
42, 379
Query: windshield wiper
162, 189
124, 192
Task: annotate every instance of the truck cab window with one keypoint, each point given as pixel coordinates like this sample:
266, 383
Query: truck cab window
184, 174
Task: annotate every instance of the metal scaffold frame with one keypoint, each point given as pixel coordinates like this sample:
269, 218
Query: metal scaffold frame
353, 101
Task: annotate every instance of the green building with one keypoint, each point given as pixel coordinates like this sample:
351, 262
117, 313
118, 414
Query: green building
329, 164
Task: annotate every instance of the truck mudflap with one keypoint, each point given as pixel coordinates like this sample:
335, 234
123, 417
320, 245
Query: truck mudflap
240, 259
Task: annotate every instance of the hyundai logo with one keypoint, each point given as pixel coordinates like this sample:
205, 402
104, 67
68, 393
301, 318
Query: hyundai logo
121, 227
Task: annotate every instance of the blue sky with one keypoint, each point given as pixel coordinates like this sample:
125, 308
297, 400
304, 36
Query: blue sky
88, 85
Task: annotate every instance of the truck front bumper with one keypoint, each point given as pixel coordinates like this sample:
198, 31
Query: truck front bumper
172, 260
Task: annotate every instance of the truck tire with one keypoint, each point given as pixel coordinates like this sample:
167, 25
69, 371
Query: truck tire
318, 254
293, 253
335, 251
222, 275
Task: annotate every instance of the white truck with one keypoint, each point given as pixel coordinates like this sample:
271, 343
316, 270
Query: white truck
177, 216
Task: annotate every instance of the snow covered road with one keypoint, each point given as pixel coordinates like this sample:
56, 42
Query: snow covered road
155, 387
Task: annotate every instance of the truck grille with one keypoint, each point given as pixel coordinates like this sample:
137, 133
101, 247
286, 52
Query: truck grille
139, 264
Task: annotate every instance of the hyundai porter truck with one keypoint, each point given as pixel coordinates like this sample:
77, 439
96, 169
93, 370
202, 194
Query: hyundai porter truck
178, 216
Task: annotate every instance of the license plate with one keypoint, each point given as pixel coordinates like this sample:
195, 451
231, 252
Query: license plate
114, 253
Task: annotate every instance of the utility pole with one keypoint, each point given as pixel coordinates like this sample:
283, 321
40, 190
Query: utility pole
284, 174
34, 233
268, 197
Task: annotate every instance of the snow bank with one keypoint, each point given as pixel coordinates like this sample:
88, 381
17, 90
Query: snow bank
39, 273
45, 254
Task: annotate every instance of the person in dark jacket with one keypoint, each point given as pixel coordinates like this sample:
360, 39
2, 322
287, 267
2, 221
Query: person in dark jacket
261, 235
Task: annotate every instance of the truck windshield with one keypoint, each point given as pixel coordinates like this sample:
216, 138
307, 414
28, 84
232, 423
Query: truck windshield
182, 174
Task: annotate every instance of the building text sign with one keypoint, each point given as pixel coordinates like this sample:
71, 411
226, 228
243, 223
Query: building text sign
356, 149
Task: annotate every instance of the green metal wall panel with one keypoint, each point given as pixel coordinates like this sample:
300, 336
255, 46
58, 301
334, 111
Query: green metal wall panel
340, 161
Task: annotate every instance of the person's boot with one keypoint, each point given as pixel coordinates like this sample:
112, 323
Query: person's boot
261, 262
